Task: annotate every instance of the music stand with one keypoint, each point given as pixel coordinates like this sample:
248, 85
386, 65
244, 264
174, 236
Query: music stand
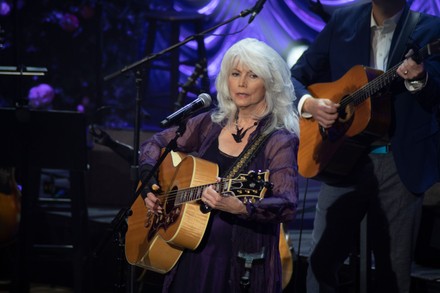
23, 71
44, 139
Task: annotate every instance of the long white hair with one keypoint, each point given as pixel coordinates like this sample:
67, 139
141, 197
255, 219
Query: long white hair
267, 64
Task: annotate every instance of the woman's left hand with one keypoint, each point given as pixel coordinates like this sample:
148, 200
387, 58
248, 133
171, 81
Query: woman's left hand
229, 204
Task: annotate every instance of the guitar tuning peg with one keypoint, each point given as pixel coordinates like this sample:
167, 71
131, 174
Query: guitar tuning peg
268, 185
252, 175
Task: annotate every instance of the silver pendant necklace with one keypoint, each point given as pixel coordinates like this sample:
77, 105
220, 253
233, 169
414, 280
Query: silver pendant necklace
238, 136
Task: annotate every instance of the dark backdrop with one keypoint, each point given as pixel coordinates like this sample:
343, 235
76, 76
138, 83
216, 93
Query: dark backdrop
80, 42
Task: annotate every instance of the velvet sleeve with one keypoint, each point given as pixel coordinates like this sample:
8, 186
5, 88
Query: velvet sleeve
280, 158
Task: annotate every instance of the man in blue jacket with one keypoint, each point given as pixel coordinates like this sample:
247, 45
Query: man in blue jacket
388, 142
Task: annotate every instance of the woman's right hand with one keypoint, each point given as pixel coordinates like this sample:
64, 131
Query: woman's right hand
152, 203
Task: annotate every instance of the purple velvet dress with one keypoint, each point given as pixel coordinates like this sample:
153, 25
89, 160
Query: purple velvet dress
215, 266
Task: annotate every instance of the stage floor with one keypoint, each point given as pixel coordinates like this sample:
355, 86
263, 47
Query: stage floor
104, 265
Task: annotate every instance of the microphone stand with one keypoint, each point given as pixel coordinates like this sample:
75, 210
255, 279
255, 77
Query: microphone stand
136, 67
118, 226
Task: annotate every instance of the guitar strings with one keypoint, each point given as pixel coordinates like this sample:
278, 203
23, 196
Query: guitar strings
174, 193
359, 95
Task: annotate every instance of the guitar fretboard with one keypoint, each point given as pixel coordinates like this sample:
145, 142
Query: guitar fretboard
195, 193
380, 82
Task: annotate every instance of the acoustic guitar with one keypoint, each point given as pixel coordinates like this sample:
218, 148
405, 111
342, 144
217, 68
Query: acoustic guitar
10, 205
156, 242
285, 247
325, 154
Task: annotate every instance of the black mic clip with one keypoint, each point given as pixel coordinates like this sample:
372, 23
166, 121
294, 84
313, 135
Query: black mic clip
256, 9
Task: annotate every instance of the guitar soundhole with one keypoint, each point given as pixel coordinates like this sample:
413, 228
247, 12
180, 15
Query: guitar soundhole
342, 124
345, 114
172, 211
170, 200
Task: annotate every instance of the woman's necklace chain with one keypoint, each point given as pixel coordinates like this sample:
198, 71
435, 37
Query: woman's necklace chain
238, 136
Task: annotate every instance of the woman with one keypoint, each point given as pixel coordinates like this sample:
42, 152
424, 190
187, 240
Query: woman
255, 97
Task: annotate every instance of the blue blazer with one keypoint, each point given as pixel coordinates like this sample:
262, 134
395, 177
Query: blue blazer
415, 134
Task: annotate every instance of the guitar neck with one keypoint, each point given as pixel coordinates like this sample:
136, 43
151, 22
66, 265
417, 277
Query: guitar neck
195, 193
382, 81
246, 187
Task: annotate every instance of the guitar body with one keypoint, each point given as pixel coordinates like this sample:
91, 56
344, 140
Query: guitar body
187, 223
156, 242
10, 205
153, 253
327, 154
286, 257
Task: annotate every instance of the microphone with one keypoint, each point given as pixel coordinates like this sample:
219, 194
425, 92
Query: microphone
256, 9
202, 101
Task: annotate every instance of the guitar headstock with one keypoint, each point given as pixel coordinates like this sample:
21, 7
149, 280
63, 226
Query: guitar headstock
249, 187
430, 49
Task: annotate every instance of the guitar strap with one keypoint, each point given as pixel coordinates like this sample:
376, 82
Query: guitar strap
242, 161
412, 17
248, 153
